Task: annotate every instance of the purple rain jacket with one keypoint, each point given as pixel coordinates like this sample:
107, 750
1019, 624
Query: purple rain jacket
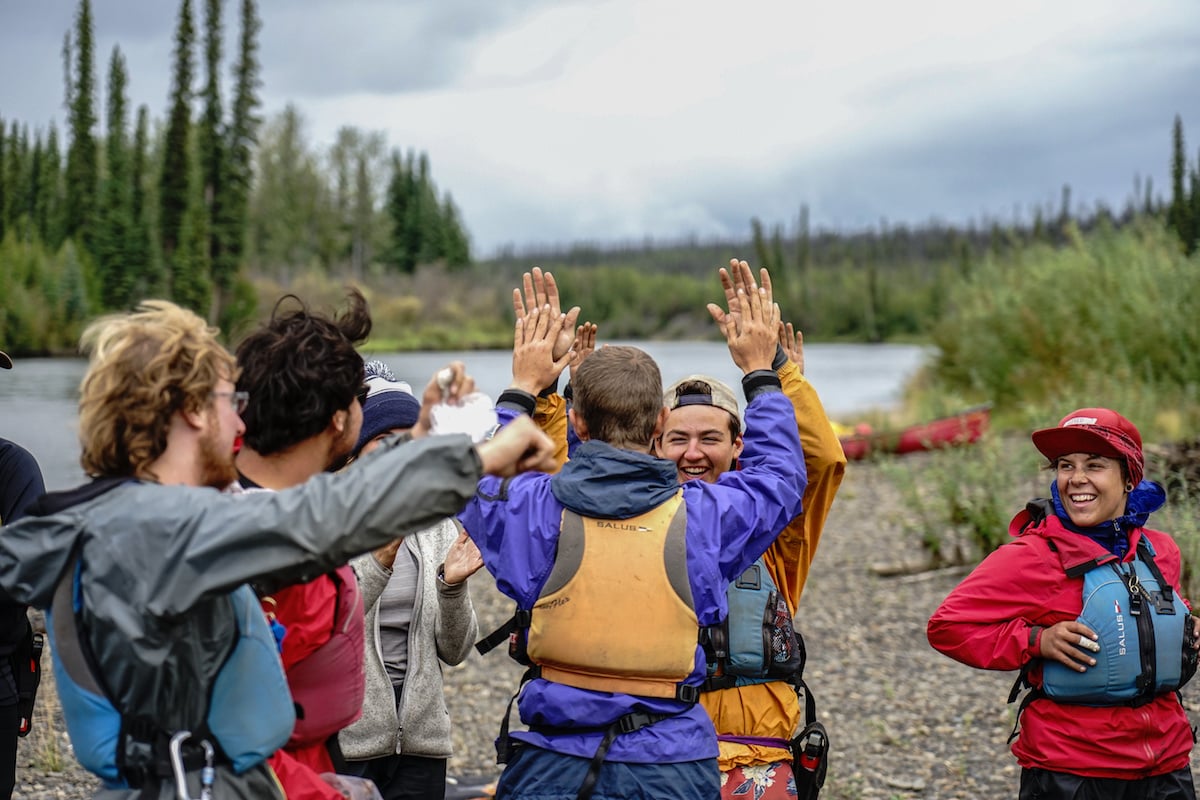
729, 525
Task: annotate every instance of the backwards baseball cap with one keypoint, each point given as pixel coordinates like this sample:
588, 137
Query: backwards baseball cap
5, 361
390, 404
1101, 431
701, 390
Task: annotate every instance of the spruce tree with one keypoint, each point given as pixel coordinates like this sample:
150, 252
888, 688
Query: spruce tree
176, 174
1179, 216
1193, 212
147, 277
458, 246
399, 200
48, 214
242, 136
4, 191
212, 154
82, 170
115, 218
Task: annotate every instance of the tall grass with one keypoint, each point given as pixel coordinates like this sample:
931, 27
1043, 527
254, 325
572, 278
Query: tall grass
1108, 321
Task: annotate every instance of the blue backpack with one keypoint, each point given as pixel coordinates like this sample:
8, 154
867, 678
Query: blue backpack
756, 642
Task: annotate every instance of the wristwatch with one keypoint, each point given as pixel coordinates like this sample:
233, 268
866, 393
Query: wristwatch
441, 577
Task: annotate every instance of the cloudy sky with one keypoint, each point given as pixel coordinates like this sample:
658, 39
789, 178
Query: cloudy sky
608, 120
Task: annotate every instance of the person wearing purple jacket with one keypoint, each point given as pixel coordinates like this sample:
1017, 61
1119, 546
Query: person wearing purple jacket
615, 566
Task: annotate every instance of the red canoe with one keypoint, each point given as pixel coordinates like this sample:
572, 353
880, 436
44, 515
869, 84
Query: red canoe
964, 427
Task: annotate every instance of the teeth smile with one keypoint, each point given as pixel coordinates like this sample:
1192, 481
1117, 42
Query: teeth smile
1082, 498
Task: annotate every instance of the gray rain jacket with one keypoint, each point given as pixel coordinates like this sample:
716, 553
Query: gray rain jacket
159, 563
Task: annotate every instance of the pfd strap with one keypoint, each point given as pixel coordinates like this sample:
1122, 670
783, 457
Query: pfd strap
518, 621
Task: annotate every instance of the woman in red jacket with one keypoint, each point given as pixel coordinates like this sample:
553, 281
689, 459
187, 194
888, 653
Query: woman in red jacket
1085, 602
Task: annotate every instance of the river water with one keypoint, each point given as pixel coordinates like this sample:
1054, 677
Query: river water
38, 398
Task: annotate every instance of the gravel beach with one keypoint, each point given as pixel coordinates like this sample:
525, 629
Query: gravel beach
904, 721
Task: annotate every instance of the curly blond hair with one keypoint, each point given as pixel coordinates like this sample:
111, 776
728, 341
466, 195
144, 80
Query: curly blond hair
145, 366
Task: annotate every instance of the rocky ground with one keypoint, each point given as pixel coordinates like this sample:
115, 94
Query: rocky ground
905, 722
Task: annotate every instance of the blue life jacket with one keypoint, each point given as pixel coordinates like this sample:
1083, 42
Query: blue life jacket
250, 713
756, 642
1144, 632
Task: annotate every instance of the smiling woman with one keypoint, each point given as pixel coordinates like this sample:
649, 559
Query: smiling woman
1086, 603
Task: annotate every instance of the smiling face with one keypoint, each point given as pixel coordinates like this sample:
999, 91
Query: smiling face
1092, 488
700, 441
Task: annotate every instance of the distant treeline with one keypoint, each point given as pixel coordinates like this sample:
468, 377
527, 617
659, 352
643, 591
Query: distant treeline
192, 207
222, 211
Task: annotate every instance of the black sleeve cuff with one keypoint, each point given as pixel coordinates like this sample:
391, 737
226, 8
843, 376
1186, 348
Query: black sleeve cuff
517, 400
568, 393
781, 358
549, 390
760, 381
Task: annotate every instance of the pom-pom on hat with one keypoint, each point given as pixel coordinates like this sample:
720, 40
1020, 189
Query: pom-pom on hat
1101, 431
390, 404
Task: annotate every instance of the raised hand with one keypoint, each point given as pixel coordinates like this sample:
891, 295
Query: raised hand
462, 561
520, 446
751, 324
585, 344
540, 289
792, 342
535, 338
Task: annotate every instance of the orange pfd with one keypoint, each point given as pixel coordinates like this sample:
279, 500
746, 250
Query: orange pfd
616, 613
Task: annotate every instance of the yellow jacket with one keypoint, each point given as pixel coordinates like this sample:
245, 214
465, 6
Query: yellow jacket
773, 709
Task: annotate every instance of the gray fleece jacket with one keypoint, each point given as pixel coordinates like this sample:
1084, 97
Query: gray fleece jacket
443, 629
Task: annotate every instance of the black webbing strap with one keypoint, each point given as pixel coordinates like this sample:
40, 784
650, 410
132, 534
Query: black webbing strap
519, 620
504, 745
1168, 591
626, 724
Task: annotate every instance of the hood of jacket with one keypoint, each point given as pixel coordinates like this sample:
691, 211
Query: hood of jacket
606, 482
1075, 548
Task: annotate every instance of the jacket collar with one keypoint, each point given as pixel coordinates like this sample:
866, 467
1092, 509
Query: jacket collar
611, 483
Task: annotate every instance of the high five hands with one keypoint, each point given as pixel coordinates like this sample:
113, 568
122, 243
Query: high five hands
544, 335
751, 324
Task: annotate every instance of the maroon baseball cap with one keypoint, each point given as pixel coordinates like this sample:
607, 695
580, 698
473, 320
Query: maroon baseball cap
1101, 431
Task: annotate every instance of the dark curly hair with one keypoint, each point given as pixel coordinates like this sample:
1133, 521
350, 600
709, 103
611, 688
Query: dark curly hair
299, 368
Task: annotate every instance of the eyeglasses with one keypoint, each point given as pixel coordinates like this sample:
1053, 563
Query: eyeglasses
239, 400
363, 391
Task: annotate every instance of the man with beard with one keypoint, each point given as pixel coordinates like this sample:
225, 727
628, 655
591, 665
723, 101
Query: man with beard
168, 674
302, 375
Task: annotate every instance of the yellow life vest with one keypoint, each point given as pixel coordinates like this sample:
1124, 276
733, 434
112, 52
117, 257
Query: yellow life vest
616, 613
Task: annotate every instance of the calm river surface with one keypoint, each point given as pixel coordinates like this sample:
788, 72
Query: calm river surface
38, 397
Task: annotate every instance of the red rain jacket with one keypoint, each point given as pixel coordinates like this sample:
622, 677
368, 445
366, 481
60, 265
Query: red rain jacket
988, 621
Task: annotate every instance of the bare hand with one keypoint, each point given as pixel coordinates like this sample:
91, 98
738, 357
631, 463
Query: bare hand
520, 446
1071, 644
751, 325
462, 561
585, 344
534, 341
541, 289
448, 385
386, 555
792, 342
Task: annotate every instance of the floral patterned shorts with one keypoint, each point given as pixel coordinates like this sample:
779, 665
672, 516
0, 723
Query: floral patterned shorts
759, 782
